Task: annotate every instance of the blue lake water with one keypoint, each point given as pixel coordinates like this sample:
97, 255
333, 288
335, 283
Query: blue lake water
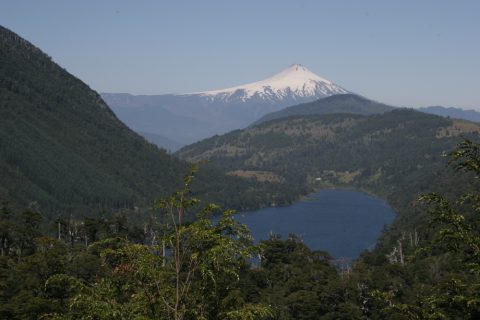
341, 222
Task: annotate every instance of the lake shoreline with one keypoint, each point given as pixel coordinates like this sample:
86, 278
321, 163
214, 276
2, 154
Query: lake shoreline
341, 221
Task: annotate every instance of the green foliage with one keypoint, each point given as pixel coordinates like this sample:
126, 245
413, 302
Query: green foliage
188, 272
291, 278
457, 230
395, 155
63, 150
250, 312
201, 269
440, 279
61, 146
467, 157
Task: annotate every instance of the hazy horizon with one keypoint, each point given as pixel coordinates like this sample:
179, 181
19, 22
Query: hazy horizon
404, 54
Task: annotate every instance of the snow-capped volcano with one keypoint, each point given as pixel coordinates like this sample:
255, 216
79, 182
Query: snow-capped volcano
296, 82
193, 116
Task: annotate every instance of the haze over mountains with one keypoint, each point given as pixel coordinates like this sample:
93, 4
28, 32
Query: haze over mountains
64, 150
61, 147
103, 252
454, 113
175, 120
187, 118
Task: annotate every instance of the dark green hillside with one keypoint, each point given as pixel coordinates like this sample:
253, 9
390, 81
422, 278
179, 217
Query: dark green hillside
342, 103
395, 155
63, 148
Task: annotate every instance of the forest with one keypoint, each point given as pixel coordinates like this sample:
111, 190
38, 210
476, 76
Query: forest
171, 267
64, 151
94, 229
395, 156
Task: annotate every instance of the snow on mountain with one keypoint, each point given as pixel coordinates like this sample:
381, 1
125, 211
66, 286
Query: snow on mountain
219, 111
295, 81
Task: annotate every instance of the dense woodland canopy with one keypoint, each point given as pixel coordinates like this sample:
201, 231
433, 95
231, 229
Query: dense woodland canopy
396, 156
113, 269
97, 245
63, 150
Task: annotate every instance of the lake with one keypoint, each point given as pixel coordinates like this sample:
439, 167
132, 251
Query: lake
341, 222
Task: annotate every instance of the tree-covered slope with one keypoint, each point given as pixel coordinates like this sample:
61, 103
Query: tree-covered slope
342, 103
395, 155
61, 146
104, 268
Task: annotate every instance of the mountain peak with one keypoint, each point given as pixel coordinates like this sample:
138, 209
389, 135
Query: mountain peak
297, 74
219, 111
297, 67
295, 82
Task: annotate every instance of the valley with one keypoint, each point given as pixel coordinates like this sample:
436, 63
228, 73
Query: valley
285, 198
383, 153
396, 156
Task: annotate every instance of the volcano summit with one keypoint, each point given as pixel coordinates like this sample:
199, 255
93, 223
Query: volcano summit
189, 117
294, 83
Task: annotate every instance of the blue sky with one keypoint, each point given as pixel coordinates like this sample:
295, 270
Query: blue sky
406, 53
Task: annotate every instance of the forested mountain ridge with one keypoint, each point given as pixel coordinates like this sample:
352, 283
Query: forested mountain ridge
425, 265
395, 155
61, 145
113, 268
342, 103
62, 148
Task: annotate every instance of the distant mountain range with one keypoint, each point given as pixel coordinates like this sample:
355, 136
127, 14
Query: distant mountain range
454, 113
158, 140
63, 148
175, 130
187, 118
